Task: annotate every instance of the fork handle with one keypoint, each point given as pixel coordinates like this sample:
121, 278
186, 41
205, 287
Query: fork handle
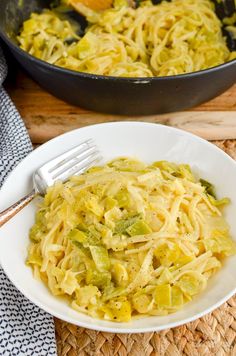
7, 214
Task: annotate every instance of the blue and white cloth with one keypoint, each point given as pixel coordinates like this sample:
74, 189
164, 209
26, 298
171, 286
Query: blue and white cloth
25, 329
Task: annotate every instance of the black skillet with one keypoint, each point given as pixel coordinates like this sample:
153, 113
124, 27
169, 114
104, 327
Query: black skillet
129, 96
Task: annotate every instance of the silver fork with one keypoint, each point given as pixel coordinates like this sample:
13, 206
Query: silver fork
73, 162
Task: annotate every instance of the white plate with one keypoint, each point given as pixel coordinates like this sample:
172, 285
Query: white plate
148, 142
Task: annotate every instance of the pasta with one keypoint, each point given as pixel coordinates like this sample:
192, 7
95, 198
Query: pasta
128, 239
170, 38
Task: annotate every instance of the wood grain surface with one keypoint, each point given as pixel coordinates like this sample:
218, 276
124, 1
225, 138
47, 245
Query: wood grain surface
46, 116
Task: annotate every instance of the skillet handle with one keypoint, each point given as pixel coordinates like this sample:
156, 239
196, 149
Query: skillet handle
7, 214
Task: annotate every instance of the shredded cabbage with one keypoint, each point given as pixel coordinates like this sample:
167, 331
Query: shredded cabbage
129, 239
169, 38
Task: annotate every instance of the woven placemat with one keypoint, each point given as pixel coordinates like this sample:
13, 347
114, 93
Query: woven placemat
214, 334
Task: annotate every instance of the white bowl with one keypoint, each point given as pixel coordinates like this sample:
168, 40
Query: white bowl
148, 142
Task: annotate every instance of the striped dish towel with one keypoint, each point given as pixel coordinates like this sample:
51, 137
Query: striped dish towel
25, 330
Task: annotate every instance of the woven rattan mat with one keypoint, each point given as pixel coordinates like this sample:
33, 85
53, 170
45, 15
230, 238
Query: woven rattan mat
214, 334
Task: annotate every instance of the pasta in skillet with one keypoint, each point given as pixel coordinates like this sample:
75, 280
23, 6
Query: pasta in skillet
170, 38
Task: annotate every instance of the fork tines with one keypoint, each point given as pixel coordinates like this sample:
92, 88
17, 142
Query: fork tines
73, 162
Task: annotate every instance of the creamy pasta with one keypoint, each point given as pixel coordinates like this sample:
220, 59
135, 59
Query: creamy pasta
128, 239
170, 38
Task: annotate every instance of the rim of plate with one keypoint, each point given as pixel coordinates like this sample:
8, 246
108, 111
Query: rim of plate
132, 330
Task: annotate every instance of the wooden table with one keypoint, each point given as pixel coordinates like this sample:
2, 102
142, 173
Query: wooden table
46, 116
